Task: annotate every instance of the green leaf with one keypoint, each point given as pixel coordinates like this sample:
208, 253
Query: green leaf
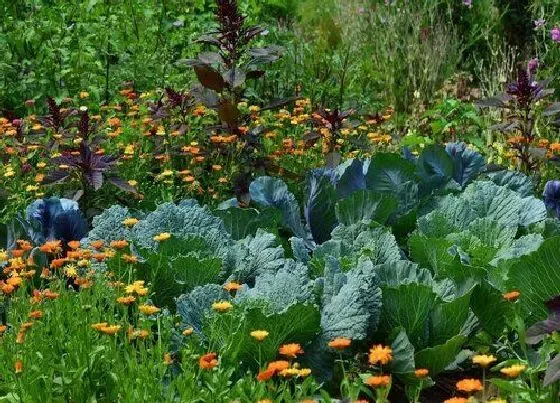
434, 167
365, 205
537, 277
388, 172
437, 358
243, 222
491, 309
409, 306
403, 353
448, 318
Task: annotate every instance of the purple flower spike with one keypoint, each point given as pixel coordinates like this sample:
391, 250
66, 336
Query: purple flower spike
555, 34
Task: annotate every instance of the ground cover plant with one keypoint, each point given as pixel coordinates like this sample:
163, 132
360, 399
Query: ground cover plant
249, 201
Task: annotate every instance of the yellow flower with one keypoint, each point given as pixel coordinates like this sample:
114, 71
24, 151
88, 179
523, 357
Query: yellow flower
289, 372
380, 354
222, 306
130, 222
84, 95
148, 309
71, 271
259, 335
514, 371
167, 360
188, 331
483, 360
162, 237
498, 400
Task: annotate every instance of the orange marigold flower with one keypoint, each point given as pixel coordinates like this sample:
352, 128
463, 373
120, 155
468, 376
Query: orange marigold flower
514, 371
512, 296
232, 286
121, 244
380, 355
14, 281
340, 343
50, 295
74, 244
51, 247
469, 385
98, 326
421, 373
18, 366
378, 381
36, 314
110, 329
265, 375
7, 289
290, 350
208, 361
58, 263
456, 400
278, 365
126, 300
97, 244
130, 259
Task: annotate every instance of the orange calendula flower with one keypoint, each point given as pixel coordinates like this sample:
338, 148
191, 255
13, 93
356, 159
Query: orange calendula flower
126, 300
514, 371
512, 296
378, 381
48, 294
340, 343
278, 365
121, 244
130, 259
20, 338
167, 359
380, 355
421, 373
58, 263
222, 306
456, 400
74, 244
97, 244
14, 281
164, 236
18, 366
51, 247
265, 375
483, 360
110, 329
290, 350
259, 335
36, 314
3, 329
188, 331
98, 326
7, 289
148, 309
469, 385
208, 361
232, 286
